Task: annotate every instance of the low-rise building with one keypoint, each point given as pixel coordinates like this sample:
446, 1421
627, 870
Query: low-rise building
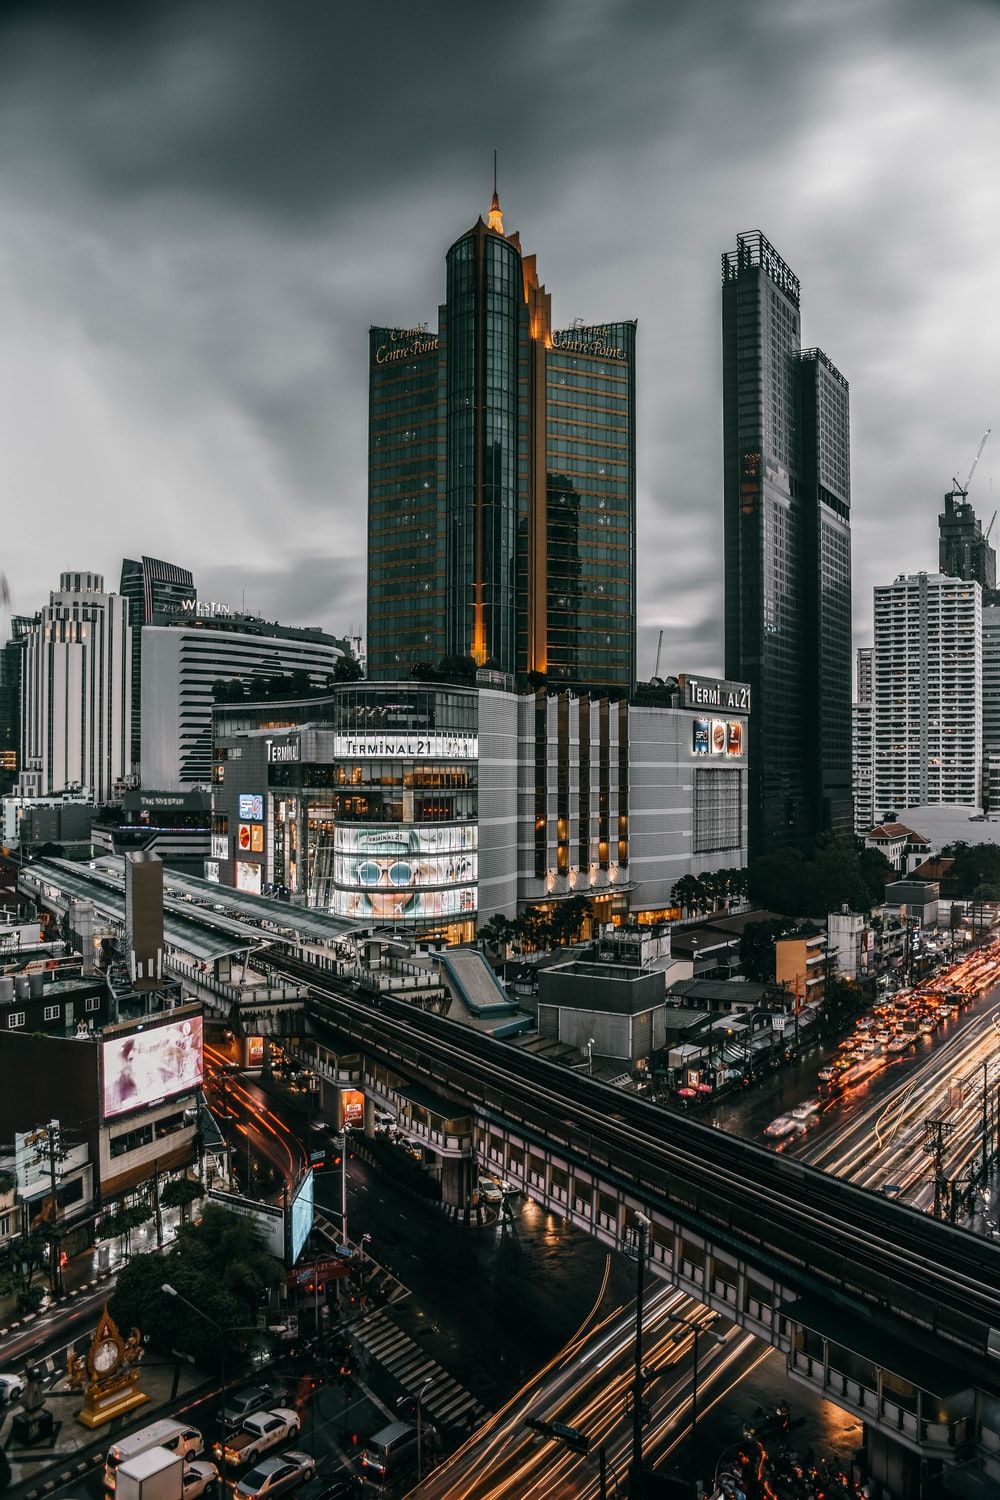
610, 1012
800, 963
903, 847
914, 899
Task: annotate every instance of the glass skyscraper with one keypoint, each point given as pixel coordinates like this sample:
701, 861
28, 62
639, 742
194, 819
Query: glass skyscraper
787, 551
501, 510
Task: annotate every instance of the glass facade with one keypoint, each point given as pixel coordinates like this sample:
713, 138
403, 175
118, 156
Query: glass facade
502, 481
787, 551
405, 523
155, 591
590, 505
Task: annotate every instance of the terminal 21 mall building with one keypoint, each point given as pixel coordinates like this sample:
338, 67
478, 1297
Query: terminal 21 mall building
410, 805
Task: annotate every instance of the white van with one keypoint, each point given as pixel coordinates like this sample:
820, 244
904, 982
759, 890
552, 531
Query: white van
384, 1119
178, 1437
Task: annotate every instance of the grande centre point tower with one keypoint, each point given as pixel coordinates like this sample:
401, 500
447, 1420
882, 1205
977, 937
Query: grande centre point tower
501, 494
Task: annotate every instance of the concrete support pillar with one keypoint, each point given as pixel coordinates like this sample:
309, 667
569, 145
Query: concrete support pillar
456, 1179
893, 1470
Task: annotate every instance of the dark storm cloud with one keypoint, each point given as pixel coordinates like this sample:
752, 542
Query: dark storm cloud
202, 208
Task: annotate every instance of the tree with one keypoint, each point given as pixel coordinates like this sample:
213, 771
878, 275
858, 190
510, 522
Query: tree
757, 948
691, 895
219, 1264
347, 668
180, 1192
568, 918
497, 932
785, 881
876, 871
838, 872
975, 865
457, 669
423, 671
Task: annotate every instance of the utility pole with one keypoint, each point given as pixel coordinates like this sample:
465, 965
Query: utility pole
936, 1133
635, 1483
986, 1123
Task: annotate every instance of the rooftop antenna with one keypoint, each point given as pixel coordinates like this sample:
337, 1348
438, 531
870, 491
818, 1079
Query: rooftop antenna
494, 169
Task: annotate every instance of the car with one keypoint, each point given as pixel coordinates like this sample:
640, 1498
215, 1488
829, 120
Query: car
807, 1112
276, 1476
783, 1126
260, 1432
489, 1191
11, 1387
199, 1479
827, 1075
241, 1404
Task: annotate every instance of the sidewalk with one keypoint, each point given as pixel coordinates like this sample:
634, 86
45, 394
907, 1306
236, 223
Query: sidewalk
96, 1266
75, 1450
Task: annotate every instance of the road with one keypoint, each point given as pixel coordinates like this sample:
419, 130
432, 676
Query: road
587, 1386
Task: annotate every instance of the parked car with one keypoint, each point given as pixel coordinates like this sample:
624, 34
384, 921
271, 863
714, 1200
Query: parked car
276, 1476
261, 1431
11, 1387
489, 1191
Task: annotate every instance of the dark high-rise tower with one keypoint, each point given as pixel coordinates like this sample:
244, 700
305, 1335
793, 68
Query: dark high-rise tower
501, 509
963, 550
155, 591
787, 551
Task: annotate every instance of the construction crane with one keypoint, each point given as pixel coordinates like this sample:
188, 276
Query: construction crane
963, 490
990, 527
659, 648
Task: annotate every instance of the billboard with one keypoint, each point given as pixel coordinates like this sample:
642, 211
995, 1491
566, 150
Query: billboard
403, 746
252, 807
352, 1103
249, 877
300, 1218
212, 871
269, 1219
389, 873
220, 845
147, 1066
718, 737
714, 692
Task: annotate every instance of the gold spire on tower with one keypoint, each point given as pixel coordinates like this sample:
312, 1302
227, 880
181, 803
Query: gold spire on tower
494, 219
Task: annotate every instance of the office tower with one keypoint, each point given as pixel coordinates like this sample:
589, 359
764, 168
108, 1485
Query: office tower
963, 550
501, 511
155, 591
928, 693
184, 662
787, 551
11, 659
863, 744
76, 692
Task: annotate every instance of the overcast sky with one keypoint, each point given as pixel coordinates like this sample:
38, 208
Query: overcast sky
203, 207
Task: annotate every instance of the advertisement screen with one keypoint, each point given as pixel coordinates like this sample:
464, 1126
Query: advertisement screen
251, 807
249, 877
717, 737
212, 871
256, 838
244, 836
220, 845
255, 1051
139, 1069
301, 1217
399, 872
353, 1104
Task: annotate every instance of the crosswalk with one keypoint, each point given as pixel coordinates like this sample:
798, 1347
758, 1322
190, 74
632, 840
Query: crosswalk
445, 1400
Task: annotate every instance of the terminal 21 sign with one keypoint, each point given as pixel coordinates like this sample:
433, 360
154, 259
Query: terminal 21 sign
390, 746
715, 692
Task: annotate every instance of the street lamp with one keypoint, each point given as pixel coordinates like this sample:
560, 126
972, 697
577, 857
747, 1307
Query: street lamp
173, 1292
419, 1399
697, 1330
635, 1486
590, 1055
